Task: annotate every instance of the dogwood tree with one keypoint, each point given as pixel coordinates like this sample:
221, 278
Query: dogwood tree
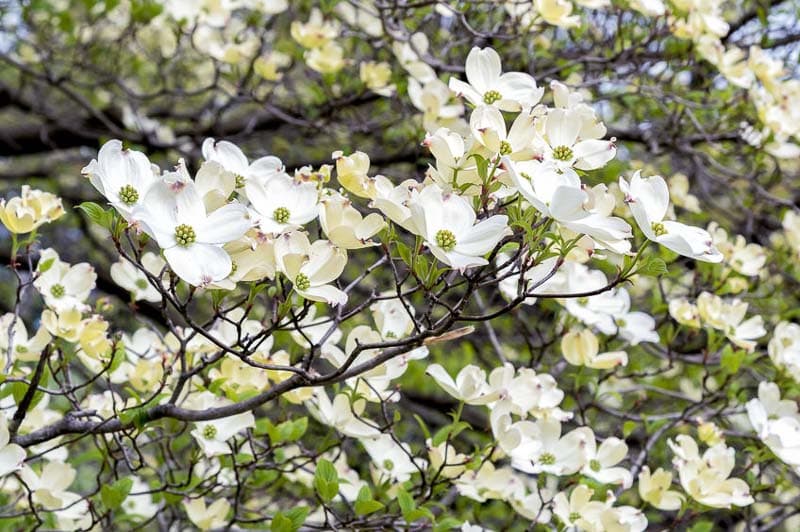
372, 264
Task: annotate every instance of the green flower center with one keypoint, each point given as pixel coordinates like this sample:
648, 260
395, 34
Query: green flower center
491, 96
302, 282
239, 181
388, 465
22, 349
547, 459
141, 284
595, 465
128, 195
562, 153
281, 215
445, 239
184, 235
209, 431
658, 228
505, 148
57, 290
574, 516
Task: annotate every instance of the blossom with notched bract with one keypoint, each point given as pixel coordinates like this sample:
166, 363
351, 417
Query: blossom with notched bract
14, 334
487, 85
63, 286
648, 199
282, 203
469, 385
447, 223
311, 267
562, 144
705, 478
232, 159
123, 176
559, 194
174, 215
128, 276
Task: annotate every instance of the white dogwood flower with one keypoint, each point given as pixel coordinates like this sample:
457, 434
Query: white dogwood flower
24, 347
543, 449
173, 214
231, 157
282, 203
132, 279
487, 85
12, 456
212, 436
558, 193
489, 128
311, 267
63, 286
648, 199
341, 414
469, 385
705, 478
600, 462
562, 144
777, 423
447, 223
123, 176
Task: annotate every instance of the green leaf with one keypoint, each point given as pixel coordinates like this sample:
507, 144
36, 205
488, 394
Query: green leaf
281, 523
482, 165
326, 480
628, 427
115, 494
702, 526
97, 214
731, 359
406, 502
287, 431
365, 504
45, 265
654, 267
451, 430
367, 507
144, 11
447, 523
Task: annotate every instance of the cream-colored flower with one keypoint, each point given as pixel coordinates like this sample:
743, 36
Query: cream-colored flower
345, 226
268, 65
327, 59
654, 489
376, 77
30, 210
581, 348
351, 172
206, 518
316, 32
684, 312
